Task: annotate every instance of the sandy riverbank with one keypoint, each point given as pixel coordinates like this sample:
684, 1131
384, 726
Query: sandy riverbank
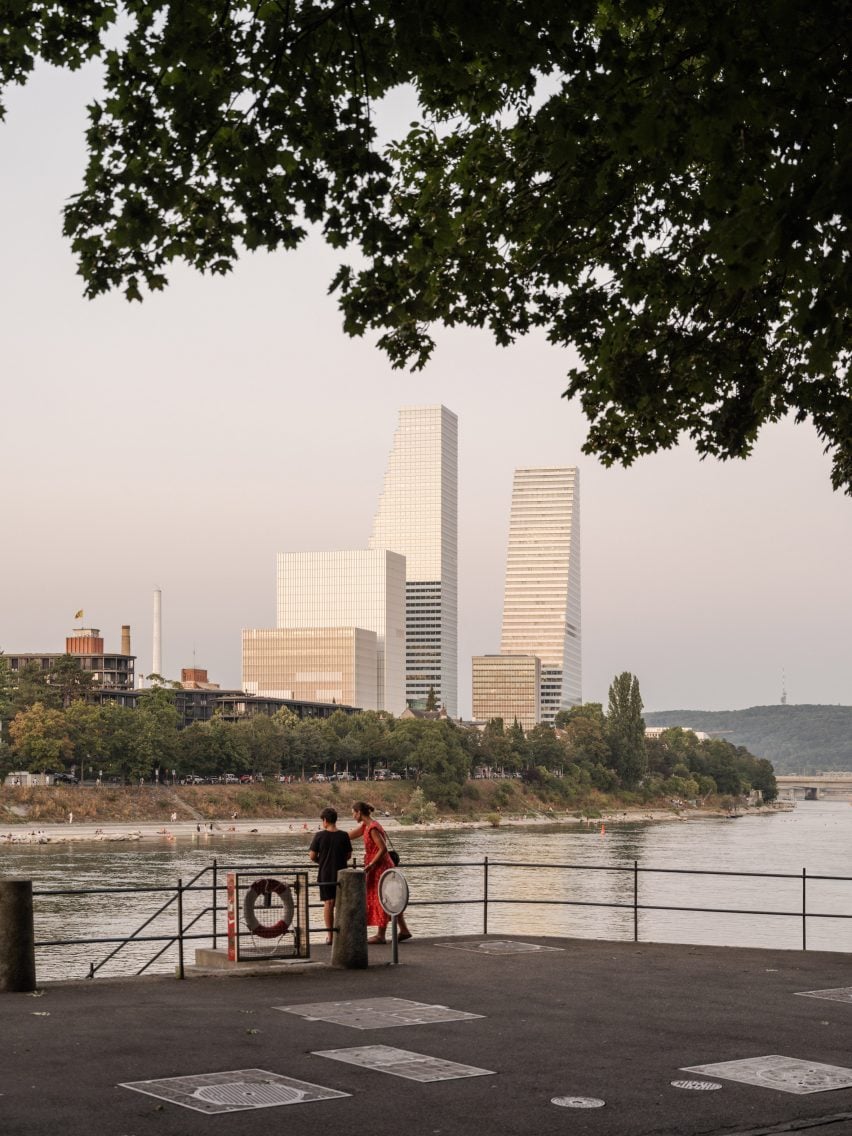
303, 826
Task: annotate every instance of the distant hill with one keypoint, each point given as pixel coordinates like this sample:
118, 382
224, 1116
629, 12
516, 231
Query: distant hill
796, 739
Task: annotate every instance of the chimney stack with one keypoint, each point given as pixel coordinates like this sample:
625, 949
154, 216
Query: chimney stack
125, 639
157, 641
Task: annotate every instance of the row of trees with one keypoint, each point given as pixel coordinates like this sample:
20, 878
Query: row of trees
588, 749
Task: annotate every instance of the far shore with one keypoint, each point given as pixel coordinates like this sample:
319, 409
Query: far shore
207, 831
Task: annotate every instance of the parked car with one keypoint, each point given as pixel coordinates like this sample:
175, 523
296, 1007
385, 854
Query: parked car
231, 779
65, 779
246, 779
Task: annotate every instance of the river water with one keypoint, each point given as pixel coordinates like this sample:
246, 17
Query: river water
446, 873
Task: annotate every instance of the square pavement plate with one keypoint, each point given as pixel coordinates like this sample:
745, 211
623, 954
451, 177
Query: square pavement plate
376, 1013
789, 1074
403, 1063
234, 1091
841, 994
499, 947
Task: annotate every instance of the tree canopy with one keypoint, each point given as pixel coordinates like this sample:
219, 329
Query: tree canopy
664, 188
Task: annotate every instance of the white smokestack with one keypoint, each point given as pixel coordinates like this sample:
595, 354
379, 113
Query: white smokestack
157, 638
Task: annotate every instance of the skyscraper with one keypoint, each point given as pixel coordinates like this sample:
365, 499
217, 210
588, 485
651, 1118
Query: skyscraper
418, 517
541, 606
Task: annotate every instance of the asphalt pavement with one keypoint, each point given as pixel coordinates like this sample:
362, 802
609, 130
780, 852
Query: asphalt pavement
585, 1022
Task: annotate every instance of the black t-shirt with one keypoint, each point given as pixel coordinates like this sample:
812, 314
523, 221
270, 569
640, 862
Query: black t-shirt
333, 850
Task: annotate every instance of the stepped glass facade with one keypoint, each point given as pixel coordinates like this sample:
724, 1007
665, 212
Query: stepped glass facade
358, 589
418, 518
312, 664
507, 687
541, 607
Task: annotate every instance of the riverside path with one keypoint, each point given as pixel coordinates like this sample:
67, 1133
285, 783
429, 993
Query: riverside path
569, 1021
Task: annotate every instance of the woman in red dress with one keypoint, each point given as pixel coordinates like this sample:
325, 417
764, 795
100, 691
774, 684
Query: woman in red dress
376, 861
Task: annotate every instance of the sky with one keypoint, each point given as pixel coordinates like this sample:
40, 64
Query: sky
182, 442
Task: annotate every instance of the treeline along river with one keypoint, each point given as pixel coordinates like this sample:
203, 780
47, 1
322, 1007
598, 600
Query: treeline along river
585, 865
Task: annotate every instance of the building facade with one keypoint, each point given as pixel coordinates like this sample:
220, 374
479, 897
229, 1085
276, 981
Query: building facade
541, 606
507, 687
317, 664
417, 517
363, 589
113, 670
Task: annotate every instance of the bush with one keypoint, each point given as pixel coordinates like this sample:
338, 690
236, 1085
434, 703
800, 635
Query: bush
419, 810
494, 819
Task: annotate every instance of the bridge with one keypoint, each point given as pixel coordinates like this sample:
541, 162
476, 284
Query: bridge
814, 786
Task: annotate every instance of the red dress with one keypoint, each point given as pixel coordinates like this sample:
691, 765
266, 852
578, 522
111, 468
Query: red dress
376, 914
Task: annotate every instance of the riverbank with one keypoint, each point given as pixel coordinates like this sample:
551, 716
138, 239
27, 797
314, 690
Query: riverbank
84, 830
60, 813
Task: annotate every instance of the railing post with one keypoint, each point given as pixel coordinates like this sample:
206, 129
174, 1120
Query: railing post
181, 973
635, 901
485, 896
804, 909
215, 897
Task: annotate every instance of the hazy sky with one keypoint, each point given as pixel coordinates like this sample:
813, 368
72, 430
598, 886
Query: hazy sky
184, 441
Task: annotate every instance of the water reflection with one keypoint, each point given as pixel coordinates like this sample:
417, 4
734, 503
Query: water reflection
445, 870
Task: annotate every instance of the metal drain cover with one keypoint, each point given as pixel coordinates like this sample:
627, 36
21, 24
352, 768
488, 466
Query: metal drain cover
578, 1102
774, 1071
234, 1091
243, 1094
701, 1086
500, 947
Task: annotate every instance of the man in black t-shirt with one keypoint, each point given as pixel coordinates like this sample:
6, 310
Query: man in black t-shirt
331, 850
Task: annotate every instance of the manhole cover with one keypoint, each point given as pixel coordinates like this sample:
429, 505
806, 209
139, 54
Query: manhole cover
377, 1013
789, 1074
705, 1086
233, 1091
244, 1095
404, 1063
839, 994
578, 1102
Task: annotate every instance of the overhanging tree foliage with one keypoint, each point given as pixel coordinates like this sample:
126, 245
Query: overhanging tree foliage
664, 187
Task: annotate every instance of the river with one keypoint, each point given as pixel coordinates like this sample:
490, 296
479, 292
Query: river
815, 836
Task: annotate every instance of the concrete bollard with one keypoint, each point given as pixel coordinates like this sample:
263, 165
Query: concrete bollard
17, 936
350, 917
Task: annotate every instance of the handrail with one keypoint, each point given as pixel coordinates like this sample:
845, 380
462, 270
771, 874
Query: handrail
486, 899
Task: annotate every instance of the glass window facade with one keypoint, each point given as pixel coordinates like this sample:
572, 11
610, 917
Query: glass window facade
364, 588
541, 607
507, 687
313, 664
417, 517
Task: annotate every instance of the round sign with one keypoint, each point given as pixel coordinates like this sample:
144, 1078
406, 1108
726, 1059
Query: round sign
393, 891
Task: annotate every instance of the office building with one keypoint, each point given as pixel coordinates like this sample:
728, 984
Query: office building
316, 664
417, 517
355, 589
507, 687
541, 607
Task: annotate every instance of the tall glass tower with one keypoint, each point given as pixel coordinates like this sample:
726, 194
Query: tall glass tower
541, 606
418, 517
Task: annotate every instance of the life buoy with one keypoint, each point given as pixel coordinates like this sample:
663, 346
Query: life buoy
266, 888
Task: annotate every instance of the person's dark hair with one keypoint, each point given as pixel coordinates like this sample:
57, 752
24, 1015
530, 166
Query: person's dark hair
330, 815
363, 807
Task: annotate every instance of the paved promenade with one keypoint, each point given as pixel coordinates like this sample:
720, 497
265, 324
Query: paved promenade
615, 1022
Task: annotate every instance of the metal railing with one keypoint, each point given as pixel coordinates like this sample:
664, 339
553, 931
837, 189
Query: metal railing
204, 923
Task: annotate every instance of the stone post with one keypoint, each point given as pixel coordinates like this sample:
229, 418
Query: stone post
17, 952
350, 916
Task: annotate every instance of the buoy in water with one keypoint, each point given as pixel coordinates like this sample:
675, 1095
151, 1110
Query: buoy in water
603, 830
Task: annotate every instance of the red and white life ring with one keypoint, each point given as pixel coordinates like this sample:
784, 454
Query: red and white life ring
262, 888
